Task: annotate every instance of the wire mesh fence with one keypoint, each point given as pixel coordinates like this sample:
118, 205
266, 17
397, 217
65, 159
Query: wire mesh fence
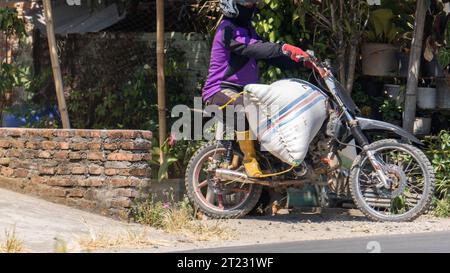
107, 54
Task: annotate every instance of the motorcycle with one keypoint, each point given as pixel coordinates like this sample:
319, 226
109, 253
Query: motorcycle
390, 179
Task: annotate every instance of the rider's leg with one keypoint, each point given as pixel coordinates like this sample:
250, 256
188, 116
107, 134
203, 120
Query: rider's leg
248, 149
246, 144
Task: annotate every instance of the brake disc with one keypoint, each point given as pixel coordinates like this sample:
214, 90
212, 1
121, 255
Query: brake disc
398, 180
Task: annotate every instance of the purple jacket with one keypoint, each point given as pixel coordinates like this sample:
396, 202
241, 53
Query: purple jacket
235, 50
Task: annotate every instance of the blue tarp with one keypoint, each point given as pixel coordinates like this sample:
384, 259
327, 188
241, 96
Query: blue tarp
15, 118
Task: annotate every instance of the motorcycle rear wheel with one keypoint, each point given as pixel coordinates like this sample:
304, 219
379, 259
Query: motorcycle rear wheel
412, 189
231, 201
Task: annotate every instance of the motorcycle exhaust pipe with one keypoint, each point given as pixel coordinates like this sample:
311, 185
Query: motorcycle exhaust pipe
230, 175
226, 175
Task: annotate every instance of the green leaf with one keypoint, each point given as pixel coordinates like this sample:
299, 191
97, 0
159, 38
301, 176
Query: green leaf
272, 36
163, 170
172, 160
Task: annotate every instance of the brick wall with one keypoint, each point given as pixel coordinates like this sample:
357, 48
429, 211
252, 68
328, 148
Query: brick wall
94, 170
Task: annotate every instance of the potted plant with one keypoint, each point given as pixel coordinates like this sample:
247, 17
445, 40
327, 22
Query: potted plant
422, 124
426, 96
431, 68
406, 22
436, 31
404, 19
163, 172
443, 93
379, 54
395, 92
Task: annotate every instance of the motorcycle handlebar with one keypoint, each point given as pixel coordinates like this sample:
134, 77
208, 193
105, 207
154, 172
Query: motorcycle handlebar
297, 57
321, 69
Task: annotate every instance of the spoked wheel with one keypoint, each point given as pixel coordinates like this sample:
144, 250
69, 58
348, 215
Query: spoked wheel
217, 199
410, 182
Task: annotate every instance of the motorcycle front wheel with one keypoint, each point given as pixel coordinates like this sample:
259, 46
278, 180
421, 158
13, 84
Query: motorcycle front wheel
411, 182
214, 198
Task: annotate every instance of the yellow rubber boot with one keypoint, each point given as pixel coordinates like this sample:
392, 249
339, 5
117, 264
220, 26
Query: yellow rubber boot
250, 163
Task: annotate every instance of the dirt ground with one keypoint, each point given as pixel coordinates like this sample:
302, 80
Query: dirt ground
46, 227
312, 224
321, 225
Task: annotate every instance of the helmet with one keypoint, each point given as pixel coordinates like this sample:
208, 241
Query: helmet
229, 7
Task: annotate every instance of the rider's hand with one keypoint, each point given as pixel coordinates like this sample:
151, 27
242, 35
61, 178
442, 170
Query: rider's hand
294, 52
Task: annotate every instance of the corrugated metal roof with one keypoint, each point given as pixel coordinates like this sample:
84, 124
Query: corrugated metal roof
76, 19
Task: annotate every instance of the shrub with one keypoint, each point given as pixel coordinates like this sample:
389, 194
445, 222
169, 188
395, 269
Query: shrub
35, 110
11, 244
10, 75
149, 213
438, 151
177, 157
129, 103
442, 207
176, 217
166, 214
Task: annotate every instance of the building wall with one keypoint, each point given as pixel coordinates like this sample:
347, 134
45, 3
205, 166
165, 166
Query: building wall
95, 170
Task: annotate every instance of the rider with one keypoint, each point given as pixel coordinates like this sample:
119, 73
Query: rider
235, 50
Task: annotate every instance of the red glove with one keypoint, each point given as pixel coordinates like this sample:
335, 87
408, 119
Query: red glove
294, 52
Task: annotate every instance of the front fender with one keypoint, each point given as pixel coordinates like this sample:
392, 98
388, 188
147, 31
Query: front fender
371, 124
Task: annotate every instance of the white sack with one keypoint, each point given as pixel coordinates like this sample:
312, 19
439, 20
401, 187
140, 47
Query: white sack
291, 112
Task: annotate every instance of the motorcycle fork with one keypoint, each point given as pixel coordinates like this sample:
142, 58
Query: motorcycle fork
377, 163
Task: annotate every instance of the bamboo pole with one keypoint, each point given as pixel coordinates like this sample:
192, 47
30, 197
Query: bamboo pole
160, 74
55, 65
414, 67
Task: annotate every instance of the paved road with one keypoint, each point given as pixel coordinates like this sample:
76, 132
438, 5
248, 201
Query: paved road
412, 243
37, 222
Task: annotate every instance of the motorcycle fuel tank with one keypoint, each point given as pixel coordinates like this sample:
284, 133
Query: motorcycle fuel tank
285, 116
